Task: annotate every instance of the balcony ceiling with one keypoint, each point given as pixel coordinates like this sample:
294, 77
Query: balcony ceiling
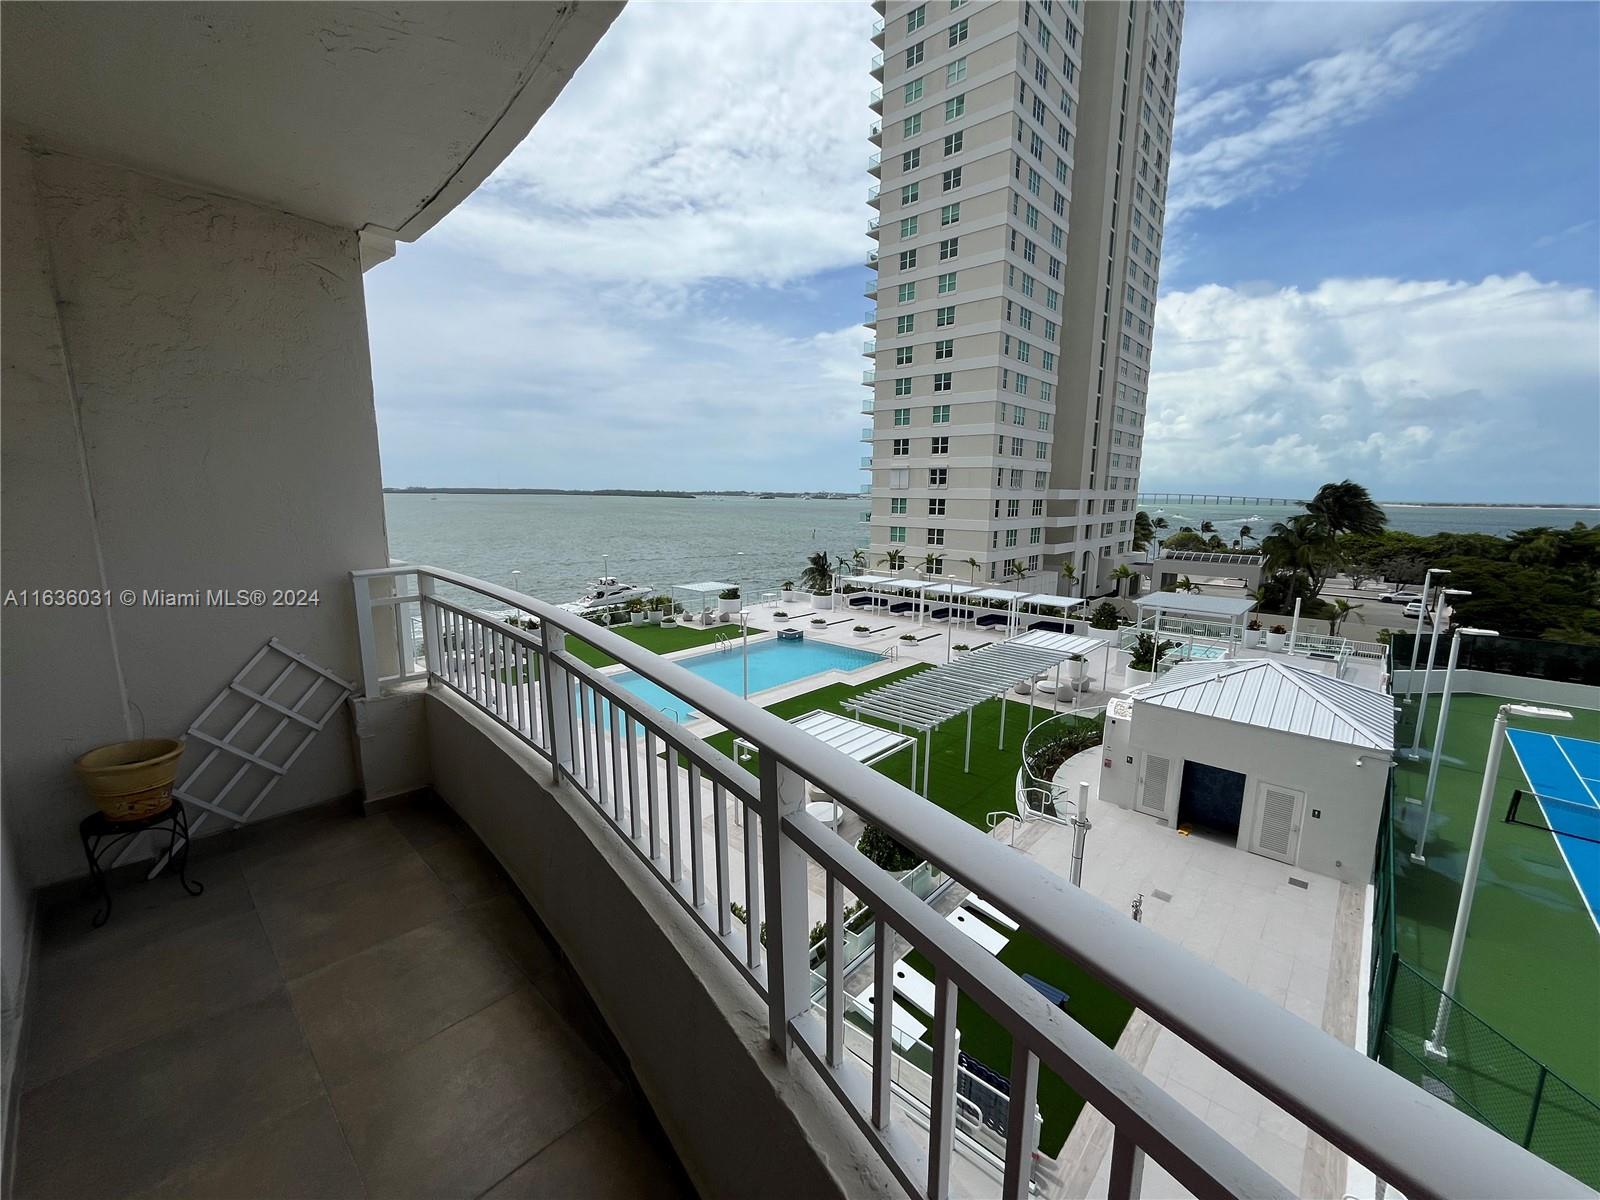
380, 118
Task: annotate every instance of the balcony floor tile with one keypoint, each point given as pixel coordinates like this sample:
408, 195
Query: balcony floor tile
354, 1007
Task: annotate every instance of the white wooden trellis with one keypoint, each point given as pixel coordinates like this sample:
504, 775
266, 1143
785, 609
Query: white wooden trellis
302, 714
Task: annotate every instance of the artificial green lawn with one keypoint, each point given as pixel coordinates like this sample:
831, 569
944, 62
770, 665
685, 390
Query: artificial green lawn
1531, 967
989, 788
655, 638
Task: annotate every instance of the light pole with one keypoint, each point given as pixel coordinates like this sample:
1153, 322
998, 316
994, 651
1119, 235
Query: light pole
516, 585
1416, 639
1469, 879
1427, 675
1438, 735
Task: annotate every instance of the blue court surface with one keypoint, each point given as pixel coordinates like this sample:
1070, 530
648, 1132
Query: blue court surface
1565, 773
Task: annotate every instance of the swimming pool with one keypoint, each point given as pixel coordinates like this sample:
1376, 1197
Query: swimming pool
772, 664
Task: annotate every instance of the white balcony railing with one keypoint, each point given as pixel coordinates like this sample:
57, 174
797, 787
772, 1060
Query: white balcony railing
654, 782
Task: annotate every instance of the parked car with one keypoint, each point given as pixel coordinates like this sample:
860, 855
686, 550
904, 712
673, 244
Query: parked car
1401, 597
1414, 609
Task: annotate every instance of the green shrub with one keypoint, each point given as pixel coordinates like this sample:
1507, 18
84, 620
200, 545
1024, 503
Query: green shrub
883, 849
1105, 616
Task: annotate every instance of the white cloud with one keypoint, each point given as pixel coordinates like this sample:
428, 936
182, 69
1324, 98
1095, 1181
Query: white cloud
1421, 390
698, 142
1243, 139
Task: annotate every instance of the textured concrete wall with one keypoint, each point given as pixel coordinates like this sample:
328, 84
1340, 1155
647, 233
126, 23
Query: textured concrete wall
188, 406
743, 1122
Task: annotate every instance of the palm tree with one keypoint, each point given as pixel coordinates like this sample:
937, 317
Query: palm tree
1121, 575
818, 573
1342, 608
858, 560
1160, 522
1301, 545
1143, 532
929, 562
1184, 584
1207, 527
974, 566
1069, 575
1016, 567
895, 560
1347, 507
1245, 534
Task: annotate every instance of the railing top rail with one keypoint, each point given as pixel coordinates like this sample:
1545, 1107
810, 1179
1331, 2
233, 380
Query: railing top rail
1404, 1135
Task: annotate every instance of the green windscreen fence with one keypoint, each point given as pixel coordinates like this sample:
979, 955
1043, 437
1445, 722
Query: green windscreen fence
1531, 658
1448, 1050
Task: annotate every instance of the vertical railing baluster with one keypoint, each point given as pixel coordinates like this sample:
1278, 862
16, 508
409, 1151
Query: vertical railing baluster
697, 850
719, 833
556, 727
674, 823
835, 899
618, 775
632, 748
1020, 1127
430, 624
753, 832
402, 636
1127, 1167
942, 1120
882, 1028
652, 789
596, 742
366, 641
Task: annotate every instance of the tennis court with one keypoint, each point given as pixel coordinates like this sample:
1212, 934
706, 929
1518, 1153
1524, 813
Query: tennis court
1564, 774
1533, 949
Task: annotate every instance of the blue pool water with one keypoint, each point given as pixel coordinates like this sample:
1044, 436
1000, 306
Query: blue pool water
772, 664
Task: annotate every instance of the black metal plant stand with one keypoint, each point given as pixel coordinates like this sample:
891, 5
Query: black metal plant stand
100, 835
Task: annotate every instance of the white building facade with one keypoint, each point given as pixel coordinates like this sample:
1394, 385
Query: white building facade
1025, 151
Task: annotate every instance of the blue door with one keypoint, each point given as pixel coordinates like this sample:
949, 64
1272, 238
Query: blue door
1211, 798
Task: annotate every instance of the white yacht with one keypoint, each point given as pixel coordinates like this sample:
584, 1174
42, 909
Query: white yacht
606, 592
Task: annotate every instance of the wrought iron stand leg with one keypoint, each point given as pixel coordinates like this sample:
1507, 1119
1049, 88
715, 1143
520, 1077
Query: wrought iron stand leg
179, 855
98, 878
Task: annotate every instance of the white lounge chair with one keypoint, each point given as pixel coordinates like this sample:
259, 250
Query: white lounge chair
976, 929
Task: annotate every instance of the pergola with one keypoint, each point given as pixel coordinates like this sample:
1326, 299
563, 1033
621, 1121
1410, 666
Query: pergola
867, 744
709, 588
926, 700
1040, 602
1195, 606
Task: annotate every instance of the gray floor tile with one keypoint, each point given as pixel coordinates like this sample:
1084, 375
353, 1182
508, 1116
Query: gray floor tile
614, 1155
130, 1119
398, 993
423, 822
88, 1005
460, 1112
299, 1156
326, 852
312, 929
143, 910
466, 868
504, 922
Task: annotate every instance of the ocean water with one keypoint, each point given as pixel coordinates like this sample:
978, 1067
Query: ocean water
556, 544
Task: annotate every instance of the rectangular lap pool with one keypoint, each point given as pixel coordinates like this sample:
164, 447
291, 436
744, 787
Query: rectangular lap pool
772, 664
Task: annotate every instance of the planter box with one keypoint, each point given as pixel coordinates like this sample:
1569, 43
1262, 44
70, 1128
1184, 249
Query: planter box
861, 633
728, 607
1252, 638
1138, 678
822, 603
1076, 668
790, 596
1275, 641
636, 618
653, 618
1105, 635
780, 616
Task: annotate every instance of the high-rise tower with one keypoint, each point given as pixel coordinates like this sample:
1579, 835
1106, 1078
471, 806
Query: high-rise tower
1025, 150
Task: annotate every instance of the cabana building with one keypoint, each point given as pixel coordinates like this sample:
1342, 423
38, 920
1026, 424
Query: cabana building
1287, 762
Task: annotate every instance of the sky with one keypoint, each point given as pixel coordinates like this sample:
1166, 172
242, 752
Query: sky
1381, 262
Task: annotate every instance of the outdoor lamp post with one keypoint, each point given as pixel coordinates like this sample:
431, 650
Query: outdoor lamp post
1469, 879
516, 580
1438, 735
1427, 675
1416, 640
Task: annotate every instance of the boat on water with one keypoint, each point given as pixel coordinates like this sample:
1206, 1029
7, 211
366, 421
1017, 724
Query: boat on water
606, 592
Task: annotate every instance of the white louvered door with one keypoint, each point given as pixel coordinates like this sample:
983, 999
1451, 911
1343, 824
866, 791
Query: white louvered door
1277, 831
1153, 785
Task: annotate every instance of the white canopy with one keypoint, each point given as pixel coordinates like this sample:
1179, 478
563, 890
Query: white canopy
1196, 604
702, 588
867, 580
862, 742
1005, 594
951, 589
1047, 600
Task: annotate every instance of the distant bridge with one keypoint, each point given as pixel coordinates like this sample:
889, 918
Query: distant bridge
1213, 498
